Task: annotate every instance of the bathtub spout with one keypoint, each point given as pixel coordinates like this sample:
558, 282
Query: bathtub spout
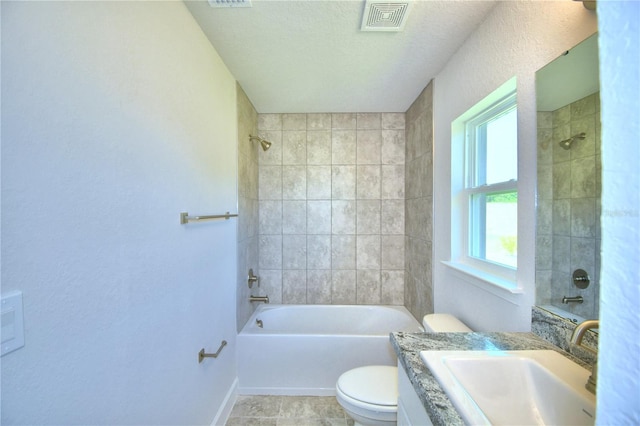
264, 299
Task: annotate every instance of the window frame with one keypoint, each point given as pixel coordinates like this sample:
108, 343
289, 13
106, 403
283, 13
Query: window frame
465, 186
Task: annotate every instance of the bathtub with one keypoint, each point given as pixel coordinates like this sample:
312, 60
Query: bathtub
574, 318
303, 349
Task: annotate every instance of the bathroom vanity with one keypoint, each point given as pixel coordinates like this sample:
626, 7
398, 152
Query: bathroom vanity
434, 406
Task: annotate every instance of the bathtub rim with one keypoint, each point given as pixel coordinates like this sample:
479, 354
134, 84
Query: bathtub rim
249, 328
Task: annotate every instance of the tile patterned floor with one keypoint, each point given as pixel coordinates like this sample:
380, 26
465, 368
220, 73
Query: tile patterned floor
288, 411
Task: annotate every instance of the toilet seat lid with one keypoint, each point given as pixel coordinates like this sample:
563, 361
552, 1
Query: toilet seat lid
443, 323
373, 384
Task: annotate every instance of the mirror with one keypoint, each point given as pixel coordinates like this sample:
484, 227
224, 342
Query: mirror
569, 185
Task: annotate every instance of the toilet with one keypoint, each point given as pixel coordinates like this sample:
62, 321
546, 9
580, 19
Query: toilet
369, 394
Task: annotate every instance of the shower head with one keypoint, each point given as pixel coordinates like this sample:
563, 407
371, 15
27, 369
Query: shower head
566, 144
264, 143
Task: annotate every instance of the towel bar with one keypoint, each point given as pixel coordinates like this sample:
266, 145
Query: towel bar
185, 218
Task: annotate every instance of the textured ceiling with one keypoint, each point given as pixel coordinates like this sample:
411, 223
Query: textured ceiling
310, 55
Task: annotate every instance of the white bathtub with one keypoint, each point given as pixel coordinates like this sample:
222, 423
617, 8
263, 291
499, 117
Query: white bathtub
303, 349
574, 318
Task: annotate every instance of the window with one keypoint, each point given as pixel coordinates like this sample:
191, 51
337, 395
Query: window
484, 187
491, 171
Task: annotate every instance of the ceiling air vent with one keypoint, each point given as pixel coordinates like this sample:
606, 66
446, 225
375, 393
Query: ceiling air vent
384, 16
230, 3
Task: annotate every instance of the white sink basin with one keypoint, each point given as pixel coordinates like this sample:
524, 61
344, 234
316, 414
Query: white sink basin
514, 387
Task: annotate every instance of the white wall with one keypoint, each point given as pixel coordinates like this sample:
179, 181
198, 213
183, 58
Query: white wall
619, 363
517, 39
116, 117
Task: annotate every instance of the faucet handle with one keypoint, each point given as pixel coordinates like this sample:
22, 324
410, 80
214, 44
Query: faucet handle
252, 279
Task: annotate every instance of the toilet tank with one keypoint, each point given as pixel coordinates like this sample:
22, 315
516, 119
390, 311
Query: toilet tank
443, 323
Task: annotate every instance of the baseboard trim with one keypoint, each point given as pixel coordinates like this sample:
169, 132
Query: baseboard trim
227, 405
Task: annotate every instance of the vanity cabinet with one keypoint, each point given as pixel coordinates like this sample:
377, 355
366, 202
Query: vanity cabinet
411, 412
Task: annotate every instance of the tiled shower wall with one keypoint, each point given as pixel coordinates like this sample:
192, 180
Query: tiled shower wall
247, 204
419, 205
331, 208
568, 228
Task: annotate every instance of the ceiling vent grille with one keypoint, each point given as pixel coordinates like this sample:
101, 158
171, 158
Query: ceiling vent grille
229, 3
384, 16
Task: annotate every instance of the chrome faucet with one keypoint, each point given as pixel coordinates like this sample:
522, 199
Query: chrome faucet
576, 299
264, 299
576, 339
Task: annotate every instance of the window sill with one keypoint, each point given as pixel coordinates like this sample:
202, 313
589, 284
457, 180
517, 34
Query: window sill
501, 287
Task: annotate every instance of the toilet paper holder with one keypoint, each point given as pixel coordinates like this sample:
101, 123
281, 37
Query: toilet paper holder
202, 354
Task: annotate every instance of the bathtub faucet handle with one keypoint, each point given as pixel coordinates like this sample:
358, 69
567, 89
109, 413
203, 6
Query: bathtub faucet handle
252, 279
264, 299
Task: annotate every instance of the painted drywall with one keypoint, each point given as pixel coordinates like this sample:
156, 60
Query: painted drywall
619, 363
116, 116
516, 39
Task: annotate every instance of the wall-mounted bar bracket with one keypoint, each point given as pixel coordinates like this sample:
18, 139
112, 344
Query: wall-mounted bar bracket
202, 355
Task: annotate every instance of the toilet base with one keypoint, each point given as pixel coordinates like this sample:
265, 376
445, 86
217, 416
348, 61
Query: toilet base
369, 422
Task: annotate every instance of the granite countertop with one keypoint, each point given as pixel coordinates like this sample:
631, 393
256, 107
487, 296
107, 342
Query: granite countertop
437, 404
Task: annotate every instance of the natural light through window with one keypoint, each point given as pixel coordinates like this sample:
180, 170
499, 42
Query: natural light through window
484, 189
492, 172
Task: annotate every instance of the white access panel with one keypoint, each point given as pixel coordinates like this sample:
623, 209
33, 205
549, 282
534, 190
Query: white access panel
12, 322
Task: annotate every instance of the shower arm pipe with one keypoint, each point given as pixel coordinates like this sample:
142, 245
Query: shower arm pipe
185, 218
570, 140
580, 136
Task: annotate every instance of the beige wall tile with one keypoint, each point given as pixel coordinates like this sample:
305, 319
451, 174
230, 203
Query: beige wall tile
270, 183
392, 147
392, 287
393, 120
325, 201
294, 121
343, 147
343, 217
294, 286
343, 182
319, 286
368, 287
368, 217
319, 251
368, 252
319, 121
368, 121
368, 145
270, 121
270, 213
368, 182
318, 182
319, 147
294, 183
294, 217
343, 121
319, 217
294, 252
294, 147
343, 287
343, 252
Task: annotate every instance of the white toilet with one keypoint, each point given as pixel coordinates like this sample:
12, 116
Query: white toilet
369, 394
